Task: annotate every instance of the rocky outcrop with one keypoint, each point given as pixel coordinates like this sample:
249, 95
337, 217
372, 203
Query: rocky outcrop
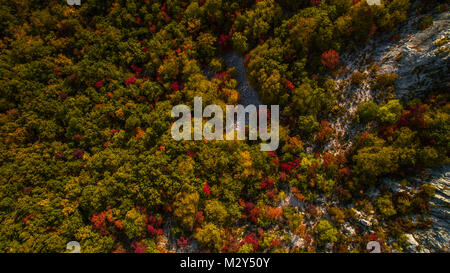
419, 59
437, 238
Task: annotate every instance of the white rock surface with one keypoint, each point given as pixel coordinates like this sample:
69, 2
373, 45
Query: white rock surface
423, 66
437, 238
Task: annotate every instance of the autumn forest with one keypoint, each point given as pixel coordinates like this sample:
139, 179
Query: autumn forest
86, 152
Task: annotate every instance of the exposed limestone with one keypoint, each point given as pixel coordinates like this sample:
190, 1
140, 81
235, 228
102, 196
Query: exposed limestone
437, 238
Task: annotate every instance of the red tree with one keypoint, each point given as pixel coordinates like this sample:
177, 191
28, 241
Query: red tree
330, 59
206, 188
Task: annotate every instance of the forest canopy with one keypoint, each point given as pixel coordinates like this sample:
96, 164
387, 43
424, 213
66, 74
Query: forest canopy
86, 152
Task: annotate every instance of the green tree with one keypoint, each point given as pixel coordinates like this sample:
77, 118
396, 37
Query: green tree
210, 236
326, 233
367, 111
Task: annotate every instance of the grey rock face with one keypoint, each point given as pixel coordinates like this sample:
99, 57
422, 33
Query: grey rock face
413, 244
248, 94
437, 238
419, 58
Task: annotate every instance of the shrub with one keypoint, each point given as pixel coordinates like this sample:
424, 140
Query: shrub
374, 161
385, 206
216, 213
429, 156
390, 112
185, 209
330, 59
326, 233
367, 111
239, 42
428, 191
384, 81
356, 78
210, 236
308, 124
425, 22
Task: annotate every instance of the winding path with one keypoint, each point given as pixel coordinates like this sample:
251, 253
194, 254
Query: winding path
248, 94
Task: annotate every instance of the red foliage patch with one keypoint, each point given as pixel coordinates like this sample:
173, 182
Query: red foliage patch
253, 240
153, 226
288, 85
154, 231
325, 131
176, 86
182, 242
316, 2
136, 69
78, 153
77, 137
206, 188
330, 59
99, 222
223, 76
191, 153
267, 183
411, 118
139, 247
199, 218
344, 172
225, 38
99, 84
131, 80
252, 211
287, 167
